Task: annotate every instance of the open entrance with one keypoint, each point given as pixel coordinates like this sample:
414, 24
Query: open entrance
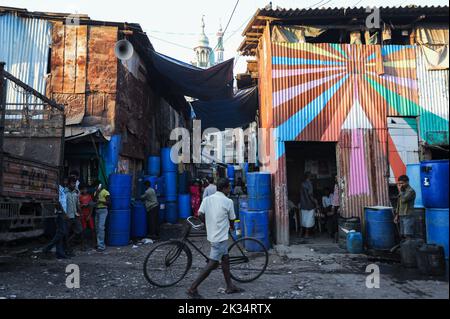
319, 159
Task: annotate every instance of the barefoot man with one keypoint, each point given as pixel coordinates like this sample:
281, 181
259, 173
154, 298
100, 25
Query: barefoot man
217, 211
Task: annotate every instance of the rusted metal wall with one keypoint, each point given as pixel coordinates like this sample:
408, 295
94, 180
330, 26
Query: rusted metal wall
362, 167
137, 107
433, 100
84, 74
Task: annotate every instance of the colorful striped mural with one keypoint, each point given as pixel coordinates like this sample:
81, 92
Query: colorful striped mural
321, 89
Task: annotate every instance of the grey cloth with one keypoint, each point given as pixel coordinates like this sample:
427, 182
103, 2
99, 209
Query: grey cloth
211, 189
306, 196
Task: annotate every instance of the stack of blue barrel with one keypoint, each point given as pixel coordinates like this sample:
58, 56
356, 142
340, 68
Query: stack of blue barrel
230, 175
157, 183
255, 219
434, 185
169, 173
119, 217
413, 172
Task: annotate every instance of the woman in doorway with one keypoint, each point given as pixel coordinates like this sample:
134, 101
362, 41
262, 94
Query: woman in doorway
308, 205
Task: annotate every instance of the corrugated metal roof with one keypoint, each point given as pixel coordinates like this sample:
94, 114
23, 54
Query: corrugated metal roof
433, 100
326, 16
24, 47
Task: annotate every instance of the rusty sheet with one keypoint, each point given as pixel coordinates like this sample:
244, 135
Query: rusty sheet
102, 66
69, 59
27, 179
74, 106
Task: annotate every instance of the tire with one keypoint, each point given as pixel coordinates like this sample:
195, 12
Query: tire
173, 253
245, 265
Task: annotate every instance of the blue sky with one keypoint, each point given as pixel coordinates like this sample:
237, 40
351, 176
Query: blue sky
178, 21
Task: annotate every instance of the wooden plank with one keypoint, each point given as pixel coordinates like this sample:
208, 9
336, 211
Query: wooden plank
57, 59
70, 40
81, 59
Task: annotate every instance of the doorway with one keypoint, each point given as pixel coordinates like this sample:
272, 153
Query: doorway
319, 159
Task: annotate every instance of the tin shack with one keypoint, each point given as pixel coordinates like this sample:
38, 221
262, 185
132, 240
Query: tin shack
115, 114
350, 93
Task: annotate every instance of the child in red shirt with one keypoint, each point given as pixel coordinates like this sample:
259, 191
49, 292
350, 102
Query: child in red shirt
86, 212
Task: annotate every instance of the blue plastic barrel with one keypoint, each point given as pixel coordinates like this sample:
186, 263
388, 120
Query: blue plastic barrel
154, 166
245, 169
166, 162
243, 202
183, 183
380, 234
184, 206
171, 212
434, 183
437, 227
259, 191
170, 186
110, 153
162, 210
120, 191
413, 172
230, 171
354, 242
256, 224
138, 221
242, 216
118, 227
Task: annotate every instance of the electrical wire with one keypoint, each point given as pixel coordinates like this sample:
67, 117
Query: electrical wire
169, 42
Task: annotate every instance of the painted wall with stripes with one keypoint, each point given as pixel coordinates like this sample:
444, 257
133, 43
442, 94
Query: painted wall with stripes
344, 93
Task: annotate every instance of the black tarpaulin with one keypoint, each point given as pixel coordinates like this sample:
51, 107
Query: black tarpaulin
223, 114
213, 83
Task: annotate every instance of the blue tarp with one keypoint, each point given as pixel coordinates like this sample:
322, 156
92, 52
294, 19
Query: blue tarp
238, 111
178, 77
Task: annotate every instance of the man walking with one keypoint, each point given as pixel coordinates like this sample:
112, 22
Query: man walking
73, 222
307, 206
404, 213
152, 207
218, 212
102, 199
61, 233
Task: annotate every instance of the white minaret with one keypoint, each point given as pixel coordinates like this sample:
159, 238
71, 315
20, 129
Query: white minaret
220, 48
204, 57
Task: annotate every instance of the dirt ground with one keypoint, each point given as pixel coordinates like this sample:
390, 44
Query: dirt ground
317, 269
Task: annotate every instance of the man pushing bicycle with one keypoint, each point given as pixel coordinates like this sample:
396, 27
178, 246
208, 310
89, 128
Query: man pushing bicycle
217, 212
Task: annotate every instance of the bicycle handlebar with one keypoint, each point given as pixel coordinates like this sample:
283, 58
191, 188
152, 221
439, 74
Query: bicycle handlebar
196, 227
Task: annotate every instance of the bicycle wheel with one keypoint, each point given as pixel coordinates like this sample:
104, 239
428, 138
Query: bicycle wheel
167, 263
248, 259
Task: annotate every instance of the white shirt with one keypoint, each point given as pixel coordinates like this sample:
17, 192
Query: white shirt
209, 190
218, 210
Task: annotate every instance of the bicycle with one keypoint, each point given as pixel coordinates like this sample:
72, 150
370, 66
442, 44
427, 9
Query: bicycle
168, 262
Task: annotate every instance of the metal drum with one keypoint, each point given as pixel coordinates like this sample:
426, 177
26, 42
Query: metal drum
120, 191
259, 191
437, 227
256, 225
434, 183
154, 166
118, 227
167, 164
380, 228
